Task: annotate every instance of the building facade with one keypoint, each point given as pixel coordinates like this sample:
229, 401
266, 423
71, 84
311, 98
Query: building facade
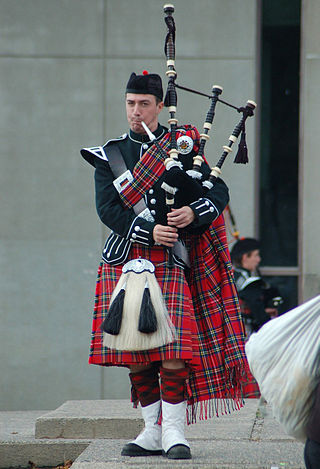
64, 66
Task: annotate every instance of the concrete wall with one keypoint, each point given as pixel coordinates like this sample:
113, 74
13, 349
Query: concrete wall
51, 92
309, 150
64, 65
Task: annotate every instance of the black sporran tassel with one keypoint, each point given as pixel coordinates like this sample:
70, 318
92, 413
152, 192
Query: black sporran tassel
242, 154
147, 318
112, 322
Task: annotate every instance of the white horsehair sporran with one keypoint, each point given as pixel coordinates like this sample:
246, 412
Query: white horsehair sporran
137, 318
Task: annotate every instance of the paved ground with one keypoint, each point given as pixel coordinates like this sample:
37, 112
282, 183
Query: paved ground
92, 433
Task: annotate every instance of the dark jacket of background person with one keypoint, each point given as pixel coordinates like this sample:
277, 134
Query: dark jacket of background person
312, 446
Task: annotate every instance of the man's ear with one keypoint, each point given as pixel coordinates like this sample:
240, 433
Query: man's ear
245, 257
160, 106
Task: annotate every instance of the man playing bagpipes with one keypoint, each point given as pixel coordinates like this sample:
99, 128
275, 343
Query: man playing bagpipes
166, 305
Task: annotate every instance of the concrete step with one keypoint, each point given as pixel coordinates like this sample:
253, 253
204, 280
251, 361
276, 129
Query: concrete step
118, 419
40, 452
18, 445
206, 454
91, 419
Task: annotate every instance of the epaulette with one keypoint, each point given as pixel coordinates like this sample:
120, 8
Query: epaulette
91, 153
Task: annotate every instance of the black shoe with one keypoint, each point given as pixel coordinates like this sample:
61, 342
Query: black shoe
131, 449
178, 452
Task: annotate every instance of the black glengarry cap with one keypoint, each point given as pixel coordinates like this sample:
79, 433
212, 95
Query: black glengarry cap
243, 246
147, 83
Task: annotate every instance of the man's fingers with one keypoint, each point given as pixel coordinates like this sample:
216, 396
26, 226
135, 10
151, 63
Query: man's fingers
167, 238
175, 219
169, 235
180, 217
165, 235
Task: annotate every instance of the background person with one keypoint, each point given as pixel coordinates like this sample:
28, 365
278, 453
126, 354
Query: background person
259, 300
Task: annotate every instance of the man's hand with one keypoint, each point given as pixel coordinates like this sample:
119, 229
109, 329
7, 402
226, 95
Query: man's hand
180, 217
166, 235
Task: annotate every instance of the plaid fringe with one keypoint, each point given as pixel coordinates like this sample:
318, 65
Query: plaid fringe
205, 410
224, 403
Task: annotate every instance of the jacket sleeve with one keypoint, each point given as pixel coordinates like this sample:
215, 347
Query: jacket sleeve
253, 297
212, 204
119, 219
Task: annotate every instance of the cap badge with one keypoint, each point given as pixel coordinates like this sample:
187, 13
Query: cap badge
184, 144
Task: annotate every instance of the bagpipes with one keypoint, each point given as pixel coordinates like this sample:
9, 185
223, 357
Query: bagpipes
190, 181
137, 318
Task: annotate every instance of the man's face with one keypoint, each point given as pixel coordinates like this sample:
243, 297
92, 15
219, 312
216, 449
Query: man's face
251, 260
142, 107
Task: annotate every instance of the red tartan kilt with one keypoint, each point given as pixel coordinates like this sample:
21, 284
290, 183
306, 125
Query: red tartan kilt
179, 304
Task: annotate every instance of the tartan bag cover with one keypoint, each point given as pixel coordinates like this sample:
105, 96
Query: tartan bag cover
150, 167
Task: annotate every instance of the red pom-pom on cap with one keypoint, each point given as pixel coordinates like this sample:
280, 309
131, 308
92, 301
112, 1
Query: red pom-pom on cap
145, 72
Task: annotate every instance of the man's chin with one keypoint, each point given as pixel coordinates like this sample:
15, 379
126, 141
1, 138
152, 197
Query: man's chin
137, 127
